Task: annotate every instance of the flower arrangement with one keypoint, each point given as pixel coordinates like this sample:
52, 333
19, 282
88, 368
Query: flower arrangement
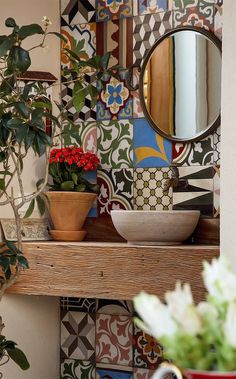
201, 336
67, 167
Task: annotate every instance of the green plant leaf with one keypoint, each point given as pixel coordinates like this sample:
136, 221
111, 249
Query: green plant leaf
5, 46
12, 247
105, 60
59, 35
79, 99
30, 30
21, 133
30, 209
41, 205
74, 177
67, 186
80, 188
19, 358
15, 123
18, 59
23, 261
10, 22
22, 109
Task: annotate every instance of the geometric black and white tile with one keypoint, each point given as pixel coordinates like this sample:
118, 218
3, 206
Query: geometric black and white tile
78, 12
195, 190
146, 30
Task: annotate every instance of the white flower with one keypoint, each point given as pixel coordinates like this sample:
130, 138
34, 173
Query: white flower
219, 280
156, 316
207, 310
230, 325
46, 21
182, 309
179, 299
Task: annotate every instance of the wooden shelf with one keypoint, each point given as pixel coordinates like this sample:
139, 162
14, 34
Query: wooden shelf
110, 270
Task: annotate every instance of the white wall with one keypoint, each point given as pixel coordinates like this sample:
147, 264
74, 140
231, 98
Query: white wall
33, 321
228, 135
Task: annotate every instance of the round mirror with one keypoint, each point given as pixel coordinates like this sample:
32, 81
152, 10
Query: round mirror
180, 84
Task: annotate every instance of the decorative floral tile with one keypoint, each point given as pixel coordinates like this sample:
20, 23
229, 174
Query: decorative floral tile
201, 16
78, 304
148, 353
114, 307
78, 12
77, 335
142, 373
216, 180
181, 4
151, 150
113, 9
146, 30
218, 19
115, 144
75, 369
114, 36
193, 154
116, 190
74, 35
194, 190
149, 193
87, 132
142, 7
114, 339
216, 144
102, 373
115, 101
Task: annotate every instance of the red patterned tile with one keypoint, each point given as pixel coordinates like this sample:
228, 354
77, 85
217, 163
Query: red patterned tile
114, 339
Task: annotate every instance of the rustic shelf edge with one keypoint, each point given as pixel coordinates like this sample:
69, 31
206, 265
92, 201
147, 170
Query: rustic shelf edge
110, 270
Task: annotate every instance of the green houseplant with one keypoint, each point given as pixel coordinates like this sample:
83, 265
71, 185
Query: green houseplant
22, 129
200, 339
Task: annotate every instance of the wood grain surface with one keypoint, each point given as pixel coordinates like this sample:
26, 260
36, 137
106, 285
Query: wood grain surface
110, 270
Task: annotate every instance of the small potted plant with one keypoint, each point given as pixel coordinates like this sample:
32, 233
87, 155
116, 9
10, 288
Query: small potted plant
200, 339
71, 195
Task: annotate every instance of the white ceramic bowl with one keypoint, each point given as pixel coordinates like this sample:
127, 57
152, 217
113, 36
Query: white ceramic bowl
155, 227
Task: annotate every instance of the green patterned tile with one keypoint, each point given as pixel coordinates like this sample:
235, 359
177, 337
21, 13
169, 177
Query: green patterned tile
115, 144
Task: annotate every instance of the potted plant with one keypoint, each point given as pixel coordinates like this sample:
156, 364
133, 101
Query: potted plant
71, 195
23, 115
200, 339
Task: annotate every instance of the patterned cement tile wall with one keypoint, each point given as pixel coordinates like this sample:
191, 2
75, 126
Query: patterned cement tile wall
116, 128
98, 338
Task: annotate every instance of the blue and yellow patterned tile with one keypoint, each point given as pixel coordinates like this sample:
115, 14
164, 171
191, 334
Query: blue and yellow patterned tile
76, 12
142, 7
115, 144
116, 190
150, 149
115, 102
75, 369
149, 189
104, 373
113, 9
201, 16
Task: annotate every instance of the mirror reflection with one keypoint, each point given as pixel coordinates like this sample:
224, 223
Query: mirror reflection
181, 84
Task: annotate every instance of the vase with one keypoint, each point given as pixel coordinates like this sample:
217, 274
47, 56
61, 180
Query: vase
167, 369
68, 211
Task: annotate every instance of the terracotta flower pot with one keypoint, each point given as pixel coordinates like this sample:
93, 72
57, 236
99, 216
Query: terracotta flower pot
68, 211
